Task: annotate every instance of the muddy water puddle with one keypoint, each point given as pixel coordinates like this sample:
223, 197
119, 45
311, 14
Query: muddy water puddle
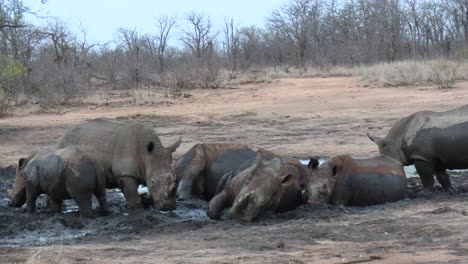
19, 228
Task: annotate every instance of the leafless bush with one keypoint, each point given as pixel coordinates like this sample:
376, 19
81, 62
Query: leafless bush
144, 96
444, 73
56, 84
404, 73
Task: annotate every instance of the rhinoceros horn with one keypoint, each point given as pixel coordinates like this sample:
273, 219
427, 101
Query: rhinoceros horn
377, 140
175, 145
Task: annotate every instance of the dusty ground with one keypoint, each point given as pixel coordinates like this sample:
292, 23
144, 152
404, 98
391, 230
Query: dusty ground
300, 117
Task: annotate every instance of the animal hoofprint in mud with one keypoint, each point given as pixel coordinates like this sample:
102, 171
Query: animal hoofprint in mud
432, 141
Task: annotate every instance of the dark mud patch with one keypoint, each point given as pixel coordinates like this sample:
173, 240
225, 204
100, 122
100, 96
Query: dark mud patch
417, 220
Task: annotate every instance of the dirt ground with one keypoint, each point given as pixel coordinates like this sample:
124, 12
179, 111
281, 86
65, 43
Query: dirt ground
299, 117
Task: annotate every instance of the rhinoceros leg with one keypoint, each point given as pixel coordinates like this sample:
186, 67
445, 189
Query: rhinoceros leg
444, 180
102, 199
32, 193
83, 200
129, 187
55, 205
217, 204
426, 173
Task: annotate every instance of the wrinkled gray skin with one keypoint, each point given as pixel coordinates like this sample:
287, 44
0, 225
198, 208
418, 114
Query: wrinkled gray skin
343, 180
67, 173
130, 154
257, 188
201, 168
432, 141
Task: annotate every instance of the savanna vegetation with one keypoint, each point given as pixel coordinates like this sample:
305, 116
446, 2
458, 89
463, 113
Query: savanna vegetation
390, 43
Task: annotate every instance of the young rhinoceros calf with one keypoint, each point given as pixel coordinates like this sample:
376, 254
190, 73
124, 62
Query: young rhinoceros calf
343, 180
252, 190
61, 174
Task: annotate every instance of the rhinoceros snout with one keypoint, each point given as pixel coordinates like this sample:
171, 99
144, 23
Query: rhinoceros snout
167, 205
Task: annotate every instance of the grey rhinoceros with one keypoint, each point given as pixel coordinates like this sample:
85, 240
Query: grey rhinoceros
432, 141
131, 154
68, 173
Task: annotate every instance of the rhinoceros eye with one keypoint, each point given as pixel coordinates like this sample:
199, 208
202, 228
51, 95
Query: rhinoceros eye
334, 170
150, 147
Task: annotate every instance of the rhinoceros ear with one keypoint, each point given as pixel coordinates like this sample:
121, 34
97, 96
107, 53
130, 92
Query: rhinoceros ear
22, 162
175, 145
377, 140
287, 180
313, 163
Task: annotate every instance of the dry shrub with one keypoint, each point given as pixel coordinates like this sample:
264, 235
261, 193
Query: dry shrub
444, 73
95, 98
404, 73
151, 95
58, 84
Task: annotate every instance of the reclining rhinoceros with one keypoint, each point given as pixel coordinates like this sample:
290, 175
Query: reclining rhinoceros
200, 170
131, 154
432, 141
272, 183
343, 180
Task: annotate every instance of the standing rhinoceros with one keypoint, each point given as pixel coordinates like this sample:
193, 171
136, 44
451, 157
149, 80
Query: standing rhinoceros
61, 174
131, 154
343, 180
260, 186
432, 141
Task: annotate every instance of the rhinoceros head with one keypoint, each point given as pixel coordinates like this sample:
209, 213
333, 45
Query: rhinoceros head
18, 193
322, 181
389, 147
160, 179
263, 185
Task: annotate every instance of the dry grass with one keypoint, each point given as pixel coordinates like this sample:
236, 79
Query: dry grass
144, 96
441, 73
48, 256
99, 99
410, 73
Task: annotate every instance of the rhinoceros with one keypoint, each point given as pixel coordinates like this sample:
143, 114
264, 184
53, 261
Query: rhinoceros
432, 141
61, 174
259, 186
200, 170
131, 154
344, 180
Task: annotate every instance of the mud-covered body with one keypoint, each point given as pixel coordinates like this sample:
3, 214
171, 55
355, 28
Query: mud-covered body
67, 173
432, 141
260, 184
344, 180
200, 170
130, 154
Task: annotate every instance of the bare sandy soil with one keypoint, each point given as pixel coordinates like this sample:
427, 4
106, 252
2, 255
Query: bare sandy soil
299, 117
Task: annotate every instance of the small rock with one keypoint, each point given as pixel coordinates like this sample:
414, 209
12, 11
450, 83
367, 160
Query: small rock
280, 244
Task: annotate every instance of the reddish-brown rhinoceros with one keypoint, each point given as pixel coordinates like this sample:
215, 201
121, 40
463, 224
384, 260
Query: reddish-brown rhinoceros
61, 174
131, 154
260, 186
343, 180
432, 141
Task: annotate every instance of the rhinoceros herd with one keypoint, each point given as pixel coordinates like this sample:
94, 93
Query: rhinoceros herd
101, 154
